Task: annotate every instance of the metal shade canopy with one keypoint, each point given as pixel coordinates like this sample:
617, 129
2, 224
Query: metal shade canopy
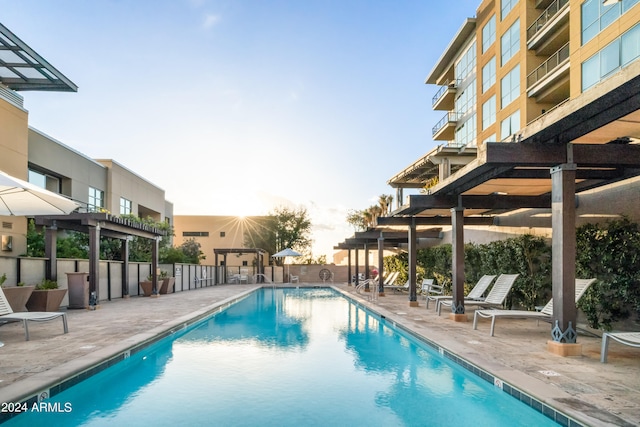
285, 253
20, 198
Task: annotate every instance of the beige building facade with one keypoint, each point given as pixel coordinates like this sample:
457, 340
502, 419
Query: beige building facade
34, 156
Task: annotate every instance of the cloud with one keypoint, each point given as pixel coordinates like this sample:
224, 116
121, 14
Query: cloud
210, 20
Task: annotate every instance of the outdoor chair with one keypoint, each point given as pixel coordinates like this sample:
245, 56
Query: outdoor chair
293, 279
545, 314
475, 294
7, 314
631, 339
428, 289
399, 288
496, 296
391, 278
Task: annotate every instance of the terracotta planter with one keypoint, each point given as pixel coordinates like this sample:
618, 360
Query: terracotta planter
18, 297
147, 287
46, 300
167, 285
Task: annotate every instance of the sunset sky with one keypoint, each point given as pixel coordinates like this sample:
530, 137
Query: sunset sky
236, 107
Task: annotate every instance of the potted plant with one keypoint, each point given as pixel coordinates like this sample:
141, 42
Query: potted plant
147, 286
17, 296
167, 282
46, 296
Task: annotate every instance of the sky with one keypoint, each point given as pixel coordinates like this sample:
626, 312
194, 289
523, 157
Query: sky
238, 107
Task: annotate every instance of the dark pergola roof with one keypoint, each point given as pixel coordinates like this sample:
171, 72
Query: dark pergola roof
21, 68
110, 225
391, 239
225, 251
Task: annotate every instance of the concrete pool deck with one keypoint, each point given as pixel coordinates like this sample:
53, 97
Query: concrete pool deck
591, 392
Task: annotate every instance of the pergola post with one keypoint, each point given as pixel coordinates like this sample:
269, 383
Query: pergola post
413, 250
381, 265
457, 262
50, 239
563, 268
94, 262
349, 266
125, 267
366, 267
356, 280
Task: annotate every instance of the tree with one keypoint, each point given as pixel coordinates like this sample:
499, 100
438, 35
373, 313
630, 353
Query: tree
282, 228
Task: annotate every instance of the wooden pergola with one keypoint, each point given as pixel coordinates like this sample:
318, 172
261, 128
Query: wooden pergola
97, 225
259, 258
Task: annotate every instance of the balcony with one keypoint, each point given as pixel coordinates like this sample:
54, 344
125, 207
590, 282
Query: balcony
551, 79
551, 29
444, 99
444, 130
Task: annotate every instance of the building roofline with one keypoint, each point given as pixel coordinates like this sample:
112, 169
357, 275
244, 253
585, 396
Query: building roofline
466, 29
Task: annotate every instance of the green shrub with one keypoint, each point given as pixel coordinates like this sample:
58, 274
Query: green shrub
47, 284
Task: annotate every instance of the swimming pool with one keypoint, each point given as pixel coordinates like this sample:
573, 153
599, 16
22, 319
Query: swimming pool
286, 357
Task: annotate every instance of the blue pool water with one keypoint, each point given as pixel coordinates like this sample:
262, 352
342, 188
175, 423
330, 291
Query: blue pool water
287, 357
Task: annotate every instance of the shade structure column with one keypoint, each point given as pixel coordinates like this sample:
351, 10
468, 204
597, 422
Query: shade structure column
563, 264
366, 267
50, 239
356, 282
125, 267
155, 246
413, 251
94, 264
457, 262
349, 267
381, 265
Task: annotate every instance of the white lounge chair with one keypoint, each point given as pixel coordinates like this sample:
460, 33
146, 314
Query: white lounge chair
399, 288
475, 294
496, 295
7, 314
391, 278
293, 279
545, 314
627, 338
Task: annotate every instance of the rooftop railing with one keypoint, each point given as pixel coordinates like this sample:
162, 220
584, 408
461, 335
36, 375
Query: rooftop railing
545, 17
443, 89
449, 117
548, 66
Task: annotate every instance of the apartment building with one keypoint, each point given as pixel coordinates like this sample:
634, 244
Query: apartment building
515, 67
30, 154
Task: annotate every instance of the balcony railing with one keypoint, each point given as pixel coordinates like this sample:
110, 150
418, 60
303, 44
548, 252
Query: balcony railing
450, 117
548, 66
443, 89
545, 17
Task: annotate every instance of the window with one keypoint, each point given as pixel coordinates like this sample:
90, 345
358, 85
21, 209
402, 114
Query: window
506, 6
466, 63
96, 200
489, 34
125, 206
467, 100
510, 86
616, 54
510, 125
489, 112
595, 17
222, 234
510, 42
44, 180
466, 133
195, 234
489, 74
490, 138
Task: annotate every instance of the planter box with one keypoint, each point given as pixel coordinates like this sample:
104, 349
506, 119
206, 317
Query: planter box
167, 285
147, 287
18, 297
46, 300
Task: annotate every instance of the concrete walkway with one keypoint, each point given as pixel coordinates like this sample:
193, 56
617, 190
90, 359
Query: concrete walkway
593, 393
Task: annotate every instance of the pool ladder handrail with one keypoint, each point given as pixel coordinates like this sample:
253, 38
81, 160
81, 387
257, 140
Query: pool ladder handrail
373, 294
